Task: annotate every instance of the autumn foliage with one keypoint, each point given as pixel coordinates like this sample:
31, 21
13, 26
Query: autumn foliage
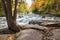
46, 6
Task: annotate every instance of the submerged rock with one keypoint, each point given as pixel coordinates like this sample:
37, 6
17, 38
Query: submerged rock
35, 22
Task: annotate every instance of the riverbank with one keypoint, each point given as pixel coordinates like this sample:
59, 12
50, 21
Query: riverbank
35, 32
32, 31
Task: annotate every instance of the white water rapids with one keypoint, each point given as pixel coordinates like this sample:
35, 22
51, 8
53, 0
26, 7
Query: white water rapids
25, 19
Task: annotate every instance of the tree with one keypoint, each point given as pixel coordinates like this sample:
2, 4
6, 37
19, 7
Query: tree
51, 7
10, 15
22, 7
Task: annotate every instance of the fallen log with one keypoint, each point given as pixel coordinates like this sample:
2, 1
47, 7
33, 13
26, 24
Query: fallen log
37, 27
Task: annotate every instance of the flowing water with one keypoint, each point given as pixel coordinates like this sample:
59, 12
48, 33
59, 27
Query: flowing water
25, 19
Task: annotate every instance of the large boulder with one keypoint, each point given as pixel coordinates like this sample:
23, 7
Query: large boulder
30, 34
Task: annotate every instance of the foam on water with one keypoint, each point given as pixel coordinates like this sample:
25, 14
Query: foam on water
25, 19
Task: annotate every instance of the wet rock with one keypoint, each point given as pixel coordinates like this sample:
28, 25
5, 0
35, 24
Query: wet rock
35, 22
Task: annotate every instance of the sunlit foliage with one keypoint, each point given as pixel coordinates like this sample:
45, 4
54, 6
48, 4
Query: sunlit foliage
46, 7
22, 7
1, 10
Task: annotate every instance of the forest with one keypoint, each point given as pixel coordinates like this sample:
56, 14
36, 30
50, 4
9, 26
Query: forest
51, 7
48, 7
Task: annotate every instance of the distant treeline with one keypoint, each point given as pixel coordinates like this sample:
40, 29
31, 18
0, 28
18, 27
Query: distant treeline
51, 7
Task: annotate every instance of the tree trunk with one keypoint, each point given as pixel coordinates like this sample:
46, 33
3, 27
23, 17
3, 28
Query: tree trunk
11, 19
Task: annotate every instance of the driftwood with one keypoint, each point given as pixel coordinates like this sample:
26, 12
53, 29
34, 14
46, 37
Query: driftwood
51, 24
36, 27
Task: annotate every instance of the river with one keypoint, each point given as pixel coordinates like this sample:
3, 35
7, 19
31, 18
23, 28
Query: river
25, 19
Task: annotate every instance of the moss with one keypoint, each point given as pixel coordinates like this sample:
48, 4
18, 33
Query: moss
2, 14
